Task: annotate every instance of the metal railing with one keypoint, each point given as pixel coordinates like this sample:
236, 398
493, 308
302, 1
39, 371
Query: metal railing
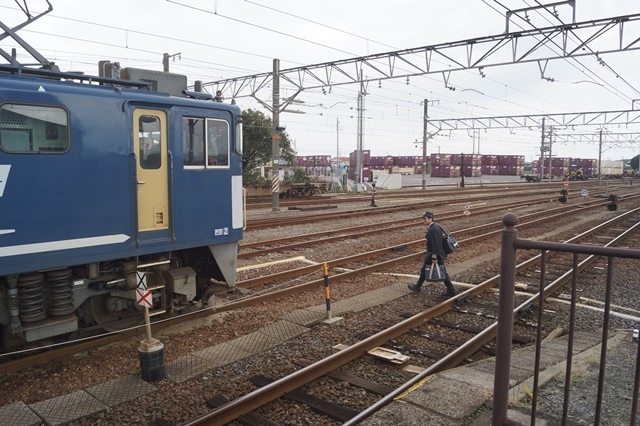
510, 244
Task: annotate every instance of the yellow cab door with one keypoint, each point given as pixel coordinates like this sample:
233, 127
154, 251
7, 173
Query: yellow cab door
152, 169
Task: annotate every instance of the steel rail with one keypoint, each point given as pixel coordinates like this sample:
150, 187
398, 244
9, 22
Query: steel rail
258, 202
16, 365
270, 223
254, 282
274, 390
490, 332
380, 226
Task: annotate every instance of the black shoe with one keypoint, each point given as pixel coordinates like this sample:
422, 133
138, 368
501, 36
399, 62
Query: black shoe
447, 295
414, 288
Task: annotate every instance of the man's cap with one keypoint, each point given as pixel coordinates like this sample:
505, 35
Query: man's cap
427, 214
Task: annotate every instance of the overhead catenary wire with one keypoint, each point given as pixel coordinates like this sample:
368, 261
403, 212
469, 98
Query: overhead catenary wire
605, 64
573, 61
206, 44
379, 108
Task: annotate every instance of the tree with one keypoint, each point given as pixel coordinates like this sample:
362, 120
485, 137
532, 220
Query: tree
635, 162
257, 132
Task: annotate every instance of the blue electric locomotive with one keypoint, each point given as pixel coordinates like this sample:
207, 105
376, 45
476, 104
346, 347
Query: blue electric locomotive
104, 182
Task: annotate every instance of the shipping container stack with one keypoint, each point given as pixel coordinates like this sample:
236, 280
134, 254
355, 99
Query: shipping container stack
510, 165
535, 167
470, 163
489, 165
367, 175
441, 166
449, 165
378, 165
406, 165
589, 166
315, 165
558, 167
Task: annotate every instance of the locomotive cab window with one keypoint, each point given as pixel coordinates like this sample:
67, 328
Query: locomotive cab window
150, 158
33, 129
205, 143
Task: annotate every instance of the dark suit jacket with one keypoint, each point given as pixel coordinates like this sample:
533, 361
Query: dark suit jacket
434, 237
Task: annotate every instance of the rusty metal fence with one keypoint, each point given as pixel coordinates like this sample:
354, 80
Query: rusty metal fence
510, 244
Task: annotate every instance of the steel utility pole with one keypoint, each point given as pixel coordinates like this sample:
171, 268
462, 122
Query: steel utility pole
275, 141
599, 157
542, 152
424, 145
550, 146
360, 136
337, 146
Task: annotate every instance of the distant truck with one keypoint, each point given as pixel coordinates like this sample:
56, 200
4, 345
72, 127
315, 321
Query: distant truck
531, 178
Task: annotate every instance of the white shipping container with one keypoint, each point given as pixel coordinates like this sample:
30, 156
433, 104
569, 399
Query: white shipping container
611, 167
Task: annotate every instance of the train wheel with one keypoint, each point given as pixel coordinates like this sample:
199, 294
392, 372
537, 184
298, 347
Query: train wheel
110, 321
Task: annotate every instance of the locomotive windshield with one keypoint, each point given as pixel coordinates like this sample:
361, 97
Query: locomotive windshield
32, 128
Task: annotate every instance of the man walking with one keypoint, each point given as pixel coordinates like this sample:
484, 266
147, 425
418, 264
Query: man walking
435, 250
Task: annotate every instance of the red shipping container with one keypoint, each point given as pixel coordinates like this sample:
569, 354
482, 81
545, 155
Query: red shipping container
491, 170
441, 159
512, 160
560, 162
489, 160
558, 171
366, 174
435, 171
515, 170
472, 171
503, 170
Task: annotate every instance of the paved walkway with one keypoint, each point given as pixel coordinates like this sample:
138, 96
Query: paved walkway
462, 396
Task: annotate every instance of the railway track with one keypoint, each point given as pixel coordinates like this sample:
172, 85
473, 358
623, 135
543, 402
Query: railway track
433, 190
285, 282
354, 263
260, 248
478, 301
439, 331
409, 204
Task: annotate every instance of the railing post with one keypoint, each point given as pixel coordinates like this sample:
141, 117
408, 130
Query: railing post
505, 319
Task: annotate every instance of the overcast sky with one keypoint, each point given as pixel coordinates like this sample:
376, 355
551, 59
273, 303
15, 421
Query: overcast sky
221, 39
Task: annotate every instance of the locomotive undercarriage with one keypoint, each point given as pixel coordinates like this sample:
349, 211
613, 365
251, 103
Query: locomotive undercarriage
44, 304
